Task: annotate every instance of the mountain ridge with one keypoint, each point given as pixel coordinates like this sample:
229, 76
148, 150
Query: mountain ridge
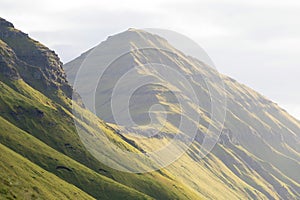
258, 135
256, 157
37, 124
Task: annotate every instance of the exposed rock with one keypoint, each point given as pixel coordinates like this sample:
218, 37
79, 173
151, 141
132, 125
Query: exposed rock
4, 23
33, 61
39, 113
8, 72
7, 64
227, 137
63, 168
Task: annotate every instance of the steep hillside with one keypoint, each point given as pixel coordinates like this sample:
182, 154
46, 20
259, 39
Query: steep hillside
21, 179
44, 127
37, 123
257, 155
37, 65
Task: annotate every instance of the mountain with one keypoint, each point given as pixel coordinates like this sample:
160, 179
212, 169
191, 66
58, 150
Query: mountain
257, 155
43, 156
41, 121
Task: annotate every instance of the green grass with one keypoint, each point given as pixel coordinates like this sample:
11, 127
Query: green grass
56, 128
88, 180
22, 179
41, 146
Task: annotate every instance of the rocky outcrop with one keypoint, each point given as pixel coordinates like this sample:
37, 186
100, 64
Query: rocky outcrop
36, 64
4, 23
7, 65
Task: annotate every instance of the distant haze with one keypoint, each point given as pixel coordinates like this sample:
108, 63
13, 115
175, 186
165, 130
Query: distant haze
257, 42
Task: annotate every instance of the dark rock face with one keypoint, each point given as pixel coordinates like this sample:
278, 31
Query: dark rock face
8, 72
227, 137
63, 168
39, 113
4, 23
37, 65
6, 63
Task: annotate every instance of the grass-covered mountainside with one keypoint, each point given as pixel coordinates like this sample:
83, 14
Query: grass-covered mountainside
43, 156
258, 153
22, 179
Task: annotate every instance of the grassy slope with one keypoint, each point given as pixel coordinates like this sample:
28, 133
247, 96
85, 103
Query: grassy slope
22, 179
30, 110
224, 175
234, 170
93, 183
154, 184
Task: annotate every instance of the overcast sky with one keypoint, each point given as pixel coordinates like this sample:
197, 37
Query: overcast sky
256, 42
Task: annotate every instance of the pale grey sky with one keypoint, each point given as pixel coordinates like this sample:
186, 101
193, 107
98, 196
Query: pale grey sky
256, 42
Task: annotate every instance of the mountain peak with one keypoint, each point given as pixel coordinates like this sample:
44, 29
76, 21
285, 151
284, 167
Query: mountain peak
119, 44
36, 64
139, 38
133, 30
78, 155
140, 31
4, 23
